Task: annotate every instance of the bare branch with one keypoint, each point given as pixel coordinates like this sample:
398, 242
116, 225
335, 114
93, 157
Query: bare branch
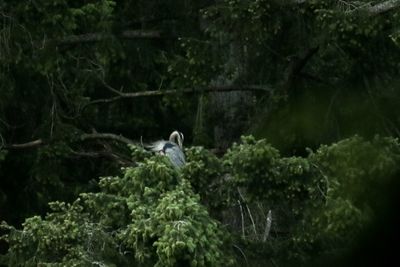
101, 101
248, 210
83, 137
111, 136
34, 143
383, 7
211, 89
244, 255
96, 37
241, 213
267, 226
377, 9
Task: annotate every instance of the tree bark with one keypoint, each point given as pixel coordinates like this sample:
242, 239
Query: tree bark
211, 89
383, 7
372, 10
31, 144
83, 137
96, 37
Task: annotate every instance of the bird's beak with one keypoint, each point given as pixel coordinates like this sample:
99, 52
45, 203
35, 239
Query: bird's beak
180, 143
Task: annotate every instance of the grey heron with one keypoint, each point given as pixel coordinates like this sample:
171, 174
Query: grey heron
172, 148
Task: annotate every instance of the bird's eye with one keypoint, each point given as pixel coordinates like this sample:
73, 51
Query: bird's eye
181, 135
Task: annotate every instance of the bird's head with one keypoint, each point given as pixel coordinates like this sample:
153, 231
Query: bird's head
177, 137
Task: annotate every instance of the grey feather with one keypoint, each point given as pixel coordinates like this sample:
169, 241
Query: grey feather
175, 155
172, 149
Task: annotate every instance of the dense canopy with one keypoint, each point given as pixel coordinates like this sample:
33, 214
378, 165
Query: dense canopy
312, 85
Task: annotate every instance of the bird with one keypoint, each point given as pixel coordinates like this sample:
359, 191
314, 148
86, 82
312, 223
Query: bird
173, 149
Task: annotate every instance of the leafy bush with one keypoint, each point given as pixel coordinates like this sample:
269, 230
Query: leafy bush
150, 216
156, 215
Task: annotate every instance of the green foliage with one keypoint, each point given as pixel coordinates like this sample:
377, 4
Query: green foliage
204, 171
62, 62
187, 235
149, 216
56, 57
196, 68
65, 237
356, 174
265, 175
157, 215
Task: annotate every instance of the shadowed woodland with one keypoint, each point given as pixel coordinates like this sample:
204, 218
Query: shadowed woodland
289, 111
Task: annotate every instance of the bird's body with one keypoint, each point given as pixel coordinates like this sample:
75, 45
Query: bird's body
172, 149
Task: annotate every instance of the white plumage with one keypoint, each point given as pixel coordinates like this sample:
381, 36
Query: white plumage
172, 148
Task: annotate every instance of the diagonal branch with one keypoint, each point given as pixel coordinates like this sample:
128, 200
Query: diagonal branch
118, 138
296, 65
377, 9
383, 7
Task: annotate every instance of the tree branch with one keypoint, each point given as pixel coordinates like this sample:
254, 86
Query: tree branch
83, 137
383, 7
211, 89
111, 136
100, 101
31, 144
296, 65
377, 9
96, 37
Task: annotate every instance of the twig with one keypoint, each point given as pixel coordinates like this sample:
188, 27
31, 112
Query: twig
248, 210
141, 141
267, 226
326, 182
244, 255
241, 213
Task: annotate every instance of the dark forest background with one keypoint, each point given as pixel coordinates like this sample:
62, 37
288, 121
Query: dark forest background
311, 85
